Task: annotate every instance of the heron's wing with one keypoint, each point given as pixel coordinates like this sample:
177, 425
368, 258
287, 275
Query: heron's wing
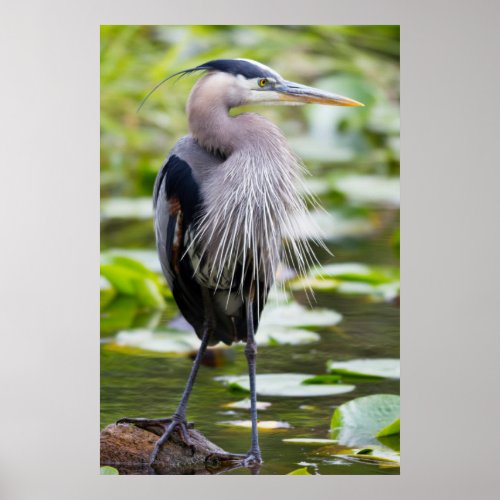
176, 199
177, 203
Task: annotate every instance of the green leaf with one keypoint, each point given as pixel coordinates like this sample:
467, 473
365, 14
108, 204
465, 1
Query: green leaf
354, 278
119, 314
285, 384
389, 430
357, 422
107, 292
300, 472
323, 379
380, 367
377, 454
148, 258
148, 294
107, 470
353, 271
130, 277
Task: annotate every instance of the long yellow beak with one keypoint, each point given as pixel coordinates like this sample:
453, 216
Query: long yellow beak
297, 93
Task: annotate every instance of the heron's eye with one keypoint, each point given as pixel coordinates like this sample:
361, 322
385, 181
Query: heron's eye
262, 82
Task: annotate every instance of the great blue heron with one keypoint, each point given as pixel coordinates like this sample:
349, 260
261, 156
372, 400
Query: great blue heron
224, 199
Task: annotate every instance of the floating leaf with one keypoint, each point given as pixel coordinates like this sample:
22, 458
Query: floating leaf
353, 271
380, 367
275, 335
372, 454
285, 384
323, 379
261, 424
300, 472
296, 315
390, 430
357, 422
244, 404
146, 342
354, 278
106, 470
310, 441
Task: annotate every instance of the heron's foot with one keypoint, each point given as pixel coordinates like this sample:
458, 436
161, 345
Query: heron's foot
163, 427
253, 459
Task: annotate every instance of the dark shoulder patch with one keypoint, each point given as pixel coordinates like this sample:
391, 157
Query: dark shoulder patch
178, 182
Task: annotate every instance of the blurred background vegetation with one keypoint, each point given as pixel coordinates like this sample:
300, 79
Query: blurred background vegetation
352, 154
360, 62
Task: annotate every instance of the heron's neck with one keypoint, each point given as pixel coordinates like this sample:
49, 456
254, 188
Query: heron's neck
211, 126
210, 123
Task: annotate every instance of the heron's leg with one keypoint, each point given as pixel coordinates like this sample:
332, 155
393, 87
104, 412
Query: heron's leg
254, 456
165, 426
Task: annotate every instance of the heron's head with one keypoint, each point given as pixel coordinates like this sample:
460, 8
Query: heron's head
243, 81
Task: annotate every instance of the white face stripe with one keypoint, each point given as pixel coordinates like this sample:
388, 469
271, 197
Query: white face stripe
253, 83
262, 66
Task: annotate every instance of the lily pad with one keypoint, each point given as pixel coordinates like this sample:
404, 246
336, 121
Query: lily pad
379, 455
357, 422
353, 271
355, 278
311, 441
146, 342
385, 292
275, 335
380, 367
261, 424
285, 385
244, 404
390, 430
300, 472
323, 379
107, 470
296, 315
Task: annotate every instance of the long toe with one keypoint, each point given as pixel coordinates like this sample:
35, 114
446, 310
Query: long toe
252, 459
163, 427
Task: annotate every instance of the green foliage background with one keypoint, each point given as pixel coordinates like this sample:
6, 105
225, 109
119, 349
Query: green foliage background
361, 62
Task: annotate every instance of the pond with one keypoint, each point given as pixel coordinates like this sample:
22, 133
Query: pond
151, 385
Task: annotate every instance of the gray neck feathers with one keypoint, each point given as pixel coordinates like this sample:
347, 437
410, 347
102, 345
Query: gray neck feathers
250, 201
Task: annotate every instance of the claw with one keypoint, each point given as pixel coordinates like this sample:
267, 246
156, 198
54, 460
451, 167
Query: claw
163, 427
253, 459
